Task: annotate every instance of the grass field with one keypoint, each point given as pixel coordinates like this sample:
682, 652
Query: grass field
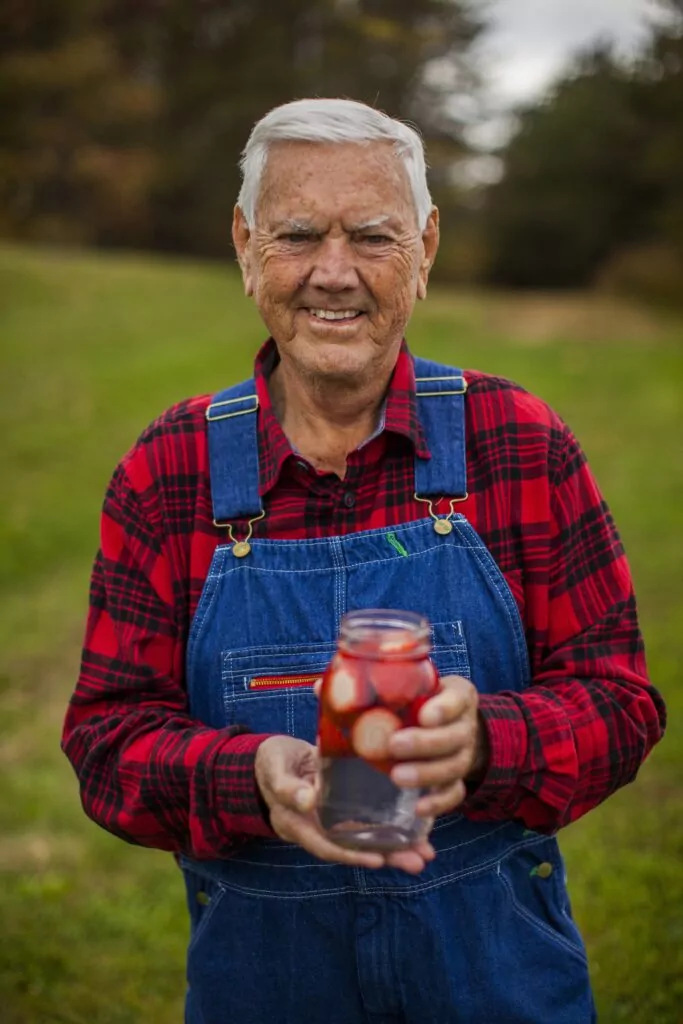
93, 347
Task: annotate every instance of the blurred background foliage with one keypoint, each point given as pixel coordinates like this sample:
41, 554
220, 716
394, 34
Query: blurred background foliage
122, 125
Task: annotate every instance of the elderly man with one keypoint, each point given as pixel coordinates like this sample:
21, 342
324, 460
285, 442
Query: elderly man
347, 474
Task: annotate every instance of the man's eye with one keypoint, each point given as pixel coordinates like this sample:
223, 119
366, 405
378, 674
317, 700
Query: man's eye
375, 239
296, 237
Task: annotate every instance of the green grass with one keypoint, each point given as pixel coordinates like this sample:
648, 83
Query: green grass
93, 347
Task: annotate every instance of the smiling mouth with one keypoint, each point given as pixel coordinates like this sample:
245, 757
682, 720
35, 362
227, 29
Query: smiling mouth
335, 316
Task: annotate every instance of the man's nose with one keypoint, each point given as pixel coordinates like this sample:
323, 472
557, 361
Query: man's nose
334, 267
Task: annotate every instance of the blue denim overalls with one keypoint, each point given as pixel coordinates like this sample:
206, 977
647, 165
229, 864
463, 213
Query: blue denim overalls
484, 934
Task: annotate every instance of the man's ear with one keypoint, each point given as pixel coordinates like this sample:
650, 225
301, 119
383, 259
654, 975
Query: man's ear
241, 237
430, 243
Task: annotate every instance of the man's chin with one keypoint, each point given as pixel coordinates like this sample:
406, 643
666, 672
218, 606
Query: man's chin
342, 365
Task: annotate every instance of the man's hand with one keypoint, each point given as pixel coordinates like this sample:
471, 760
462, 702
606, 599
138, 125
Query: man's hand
449, 746
287, 775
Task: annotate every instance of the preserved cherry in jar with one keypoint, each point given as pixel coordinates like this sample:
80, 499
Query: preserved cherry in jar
376, 683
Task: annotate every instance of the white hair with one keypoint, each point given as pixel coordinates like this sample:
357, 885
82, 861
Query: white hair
331, 120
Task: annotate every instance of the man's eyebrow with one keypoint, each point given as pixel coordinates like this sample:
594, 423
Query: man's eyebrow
305, 227
374, 223
294, 226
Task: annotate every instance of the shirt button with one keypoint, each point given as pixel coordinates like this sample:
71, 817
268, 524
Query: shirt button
544, 870
203, 898
349, 499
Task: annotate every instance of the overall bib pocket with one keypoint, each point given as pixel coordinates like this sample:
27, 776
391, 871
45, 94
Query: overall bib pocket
449, 649
270, 689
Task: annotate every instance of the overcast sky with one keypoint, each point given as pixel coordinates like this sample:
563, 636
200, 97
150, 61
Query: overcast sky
530, 40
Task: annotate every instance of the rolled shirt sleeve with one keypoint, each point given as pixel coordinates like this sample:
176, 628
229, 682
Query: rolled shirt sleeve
149, 773
590, 716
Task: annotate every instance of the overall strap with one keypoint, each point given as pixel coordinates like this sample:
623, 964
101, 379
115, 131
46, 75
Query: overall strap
233, 442
441, 408
233, 453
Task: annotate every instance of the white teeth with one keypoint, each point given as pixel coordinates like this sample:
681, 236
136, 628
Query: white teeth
335, 314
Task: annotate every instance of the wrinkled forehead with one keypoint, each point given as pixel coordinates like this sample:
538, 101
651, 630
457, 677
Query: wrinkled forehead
361, 181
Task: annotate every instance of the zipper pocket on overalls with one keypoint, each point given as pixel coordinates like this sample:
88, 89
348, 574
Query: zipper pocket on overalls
280, 682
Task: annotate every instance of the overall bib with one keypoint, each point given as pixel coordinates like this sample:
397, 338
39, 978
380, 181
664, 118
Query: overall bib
484, 934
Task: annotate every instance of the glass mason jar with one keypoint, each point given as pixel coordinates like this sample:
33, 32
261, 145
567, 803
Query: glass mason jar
375, 684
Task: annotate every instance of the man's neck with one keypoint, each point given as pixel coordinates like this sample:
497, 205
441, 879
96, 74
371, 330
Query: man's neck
325, 421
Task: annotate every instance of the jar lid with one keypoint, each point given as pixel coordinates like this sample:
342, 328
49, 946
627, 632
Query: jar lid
386, 633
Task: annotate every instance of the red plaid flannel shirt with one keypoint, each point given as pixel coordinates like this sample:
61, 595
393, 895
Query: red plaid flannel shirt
154, 776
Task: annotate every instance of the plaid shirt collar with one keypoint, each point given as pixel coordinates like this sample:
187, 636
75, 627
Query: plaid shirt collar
399, 414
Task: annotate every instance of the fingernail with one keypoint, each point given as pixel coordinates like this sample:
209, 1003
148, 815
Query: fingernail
431, 716
400, 744
403, 774
303, 798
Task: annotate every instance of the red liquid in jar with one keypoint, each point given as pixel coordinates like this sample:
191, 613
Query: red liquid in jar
375, 684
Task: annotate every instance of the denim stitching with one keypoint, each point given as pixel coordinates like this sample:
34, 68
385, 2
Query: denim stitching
537, 923
408, 890
206, 603
350, 565
206, 916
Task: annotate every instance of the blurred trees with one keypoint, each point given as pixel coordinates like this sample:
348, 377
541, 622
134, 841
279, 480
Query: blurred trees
593, 184
123, 120
75, 118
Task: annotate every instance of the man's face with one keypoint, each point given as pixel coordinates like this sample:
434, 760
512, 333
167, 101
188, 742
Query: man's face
336, 258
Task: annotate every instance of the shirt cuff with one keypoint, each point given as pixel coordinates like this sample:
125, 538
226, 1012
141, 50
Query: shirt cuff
496, 794
240, 806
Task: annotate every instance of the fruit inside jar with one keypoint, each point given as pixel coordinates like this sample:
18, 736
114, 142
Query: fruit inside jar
375, 684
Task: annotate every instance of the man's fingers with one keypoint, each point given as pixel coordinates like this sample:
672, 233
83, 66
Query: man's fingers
456, 697
293, 793
431, 743
286, 772
425, 848
420, 774
406, 860
413, 860
305, 832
